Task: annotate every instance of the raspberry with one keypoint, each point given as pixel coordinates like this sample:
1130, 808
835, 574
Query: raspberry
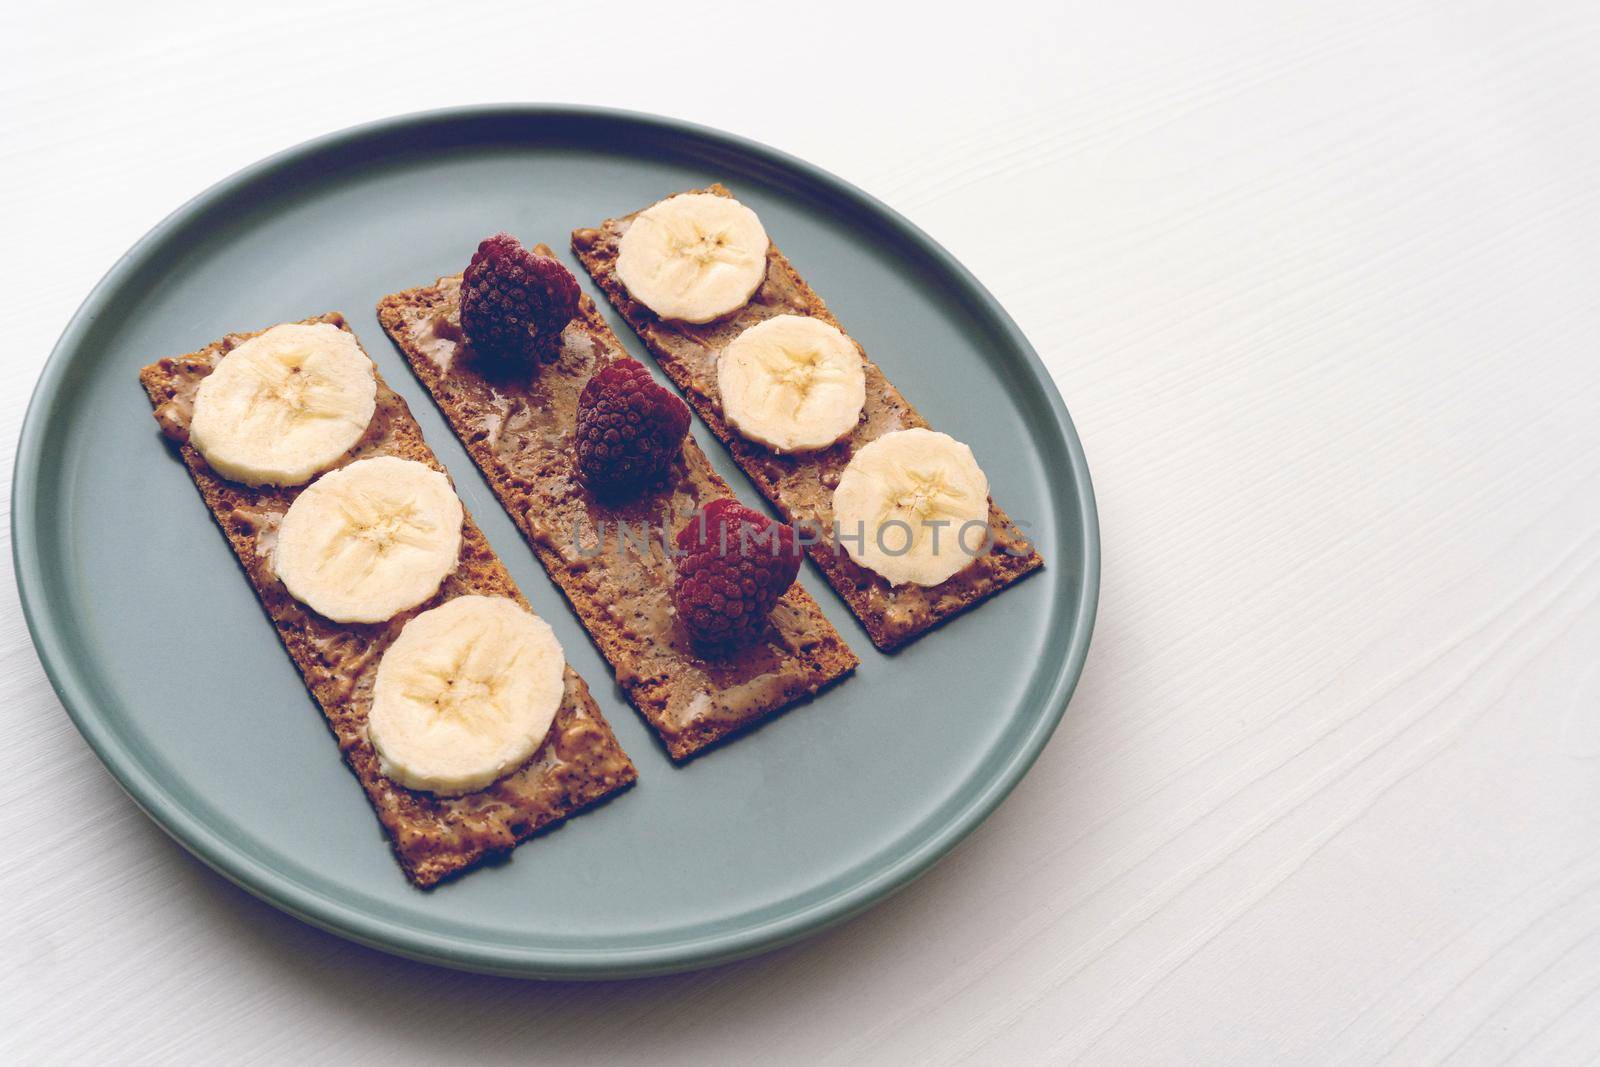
736, 564
629, 429
515, 304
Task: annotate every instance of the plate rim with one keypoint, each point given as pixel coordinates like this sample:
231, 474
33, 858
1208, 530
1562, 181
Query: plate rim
369, 927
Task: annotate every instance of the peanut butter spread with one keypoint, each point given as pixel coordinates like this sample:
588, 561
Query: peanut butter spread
801, 485
579, 761
612, 559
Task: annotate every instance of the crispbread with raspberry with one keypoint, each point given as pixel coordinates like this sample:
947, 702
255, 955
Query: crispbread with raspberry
434, 837
800, 485
519, 429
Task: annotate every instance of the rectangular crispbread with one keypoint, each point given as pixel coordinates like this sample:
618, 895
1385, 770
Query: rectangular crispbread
800, 486
518, 427
433, 837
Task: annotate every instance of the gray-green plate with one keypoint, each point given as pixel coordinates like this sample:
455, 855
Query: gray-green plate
157, 647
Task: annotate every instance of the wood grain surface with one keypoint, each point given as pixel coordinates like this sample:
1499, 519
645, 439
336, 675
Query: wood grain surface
1321, 286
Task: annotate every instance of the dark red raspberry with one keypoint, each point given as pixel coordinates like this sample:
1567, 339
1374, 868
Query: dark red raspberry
629, 429
736, 564
514, 304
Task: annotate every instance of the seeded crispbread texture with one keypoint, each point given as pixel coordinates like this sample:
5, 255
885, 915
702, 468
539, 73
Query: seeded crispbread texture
892, 616
433, 838
529, 488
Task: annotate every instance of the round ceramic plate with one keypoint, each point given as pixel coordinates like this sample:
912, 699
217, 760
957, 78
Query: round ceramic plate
158, 649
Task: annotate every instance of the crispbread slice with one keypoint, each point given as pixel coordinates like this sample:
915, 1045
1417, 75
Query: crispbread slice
518, 429
801, 486
579, 762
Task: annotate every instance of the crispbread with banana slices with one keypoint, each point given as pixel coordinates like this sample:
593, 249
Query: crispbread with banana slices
801, 485
434, 837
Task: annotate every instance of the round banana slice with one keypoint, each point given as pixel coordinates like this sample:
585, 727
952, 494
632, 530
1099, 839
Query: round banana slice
792, 383
368, 541
284, 405
465, 695
693, 257
913, 506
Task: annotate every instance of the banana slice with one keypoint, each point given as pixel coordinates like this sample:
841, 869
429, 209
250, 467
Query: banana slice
693, 257
909, 504
284, 405
792, 383
465, 695
368, 541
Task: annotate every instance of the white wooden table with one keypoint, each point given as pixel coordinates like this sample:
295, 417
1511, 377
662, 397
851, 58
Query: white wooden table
1321, 286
